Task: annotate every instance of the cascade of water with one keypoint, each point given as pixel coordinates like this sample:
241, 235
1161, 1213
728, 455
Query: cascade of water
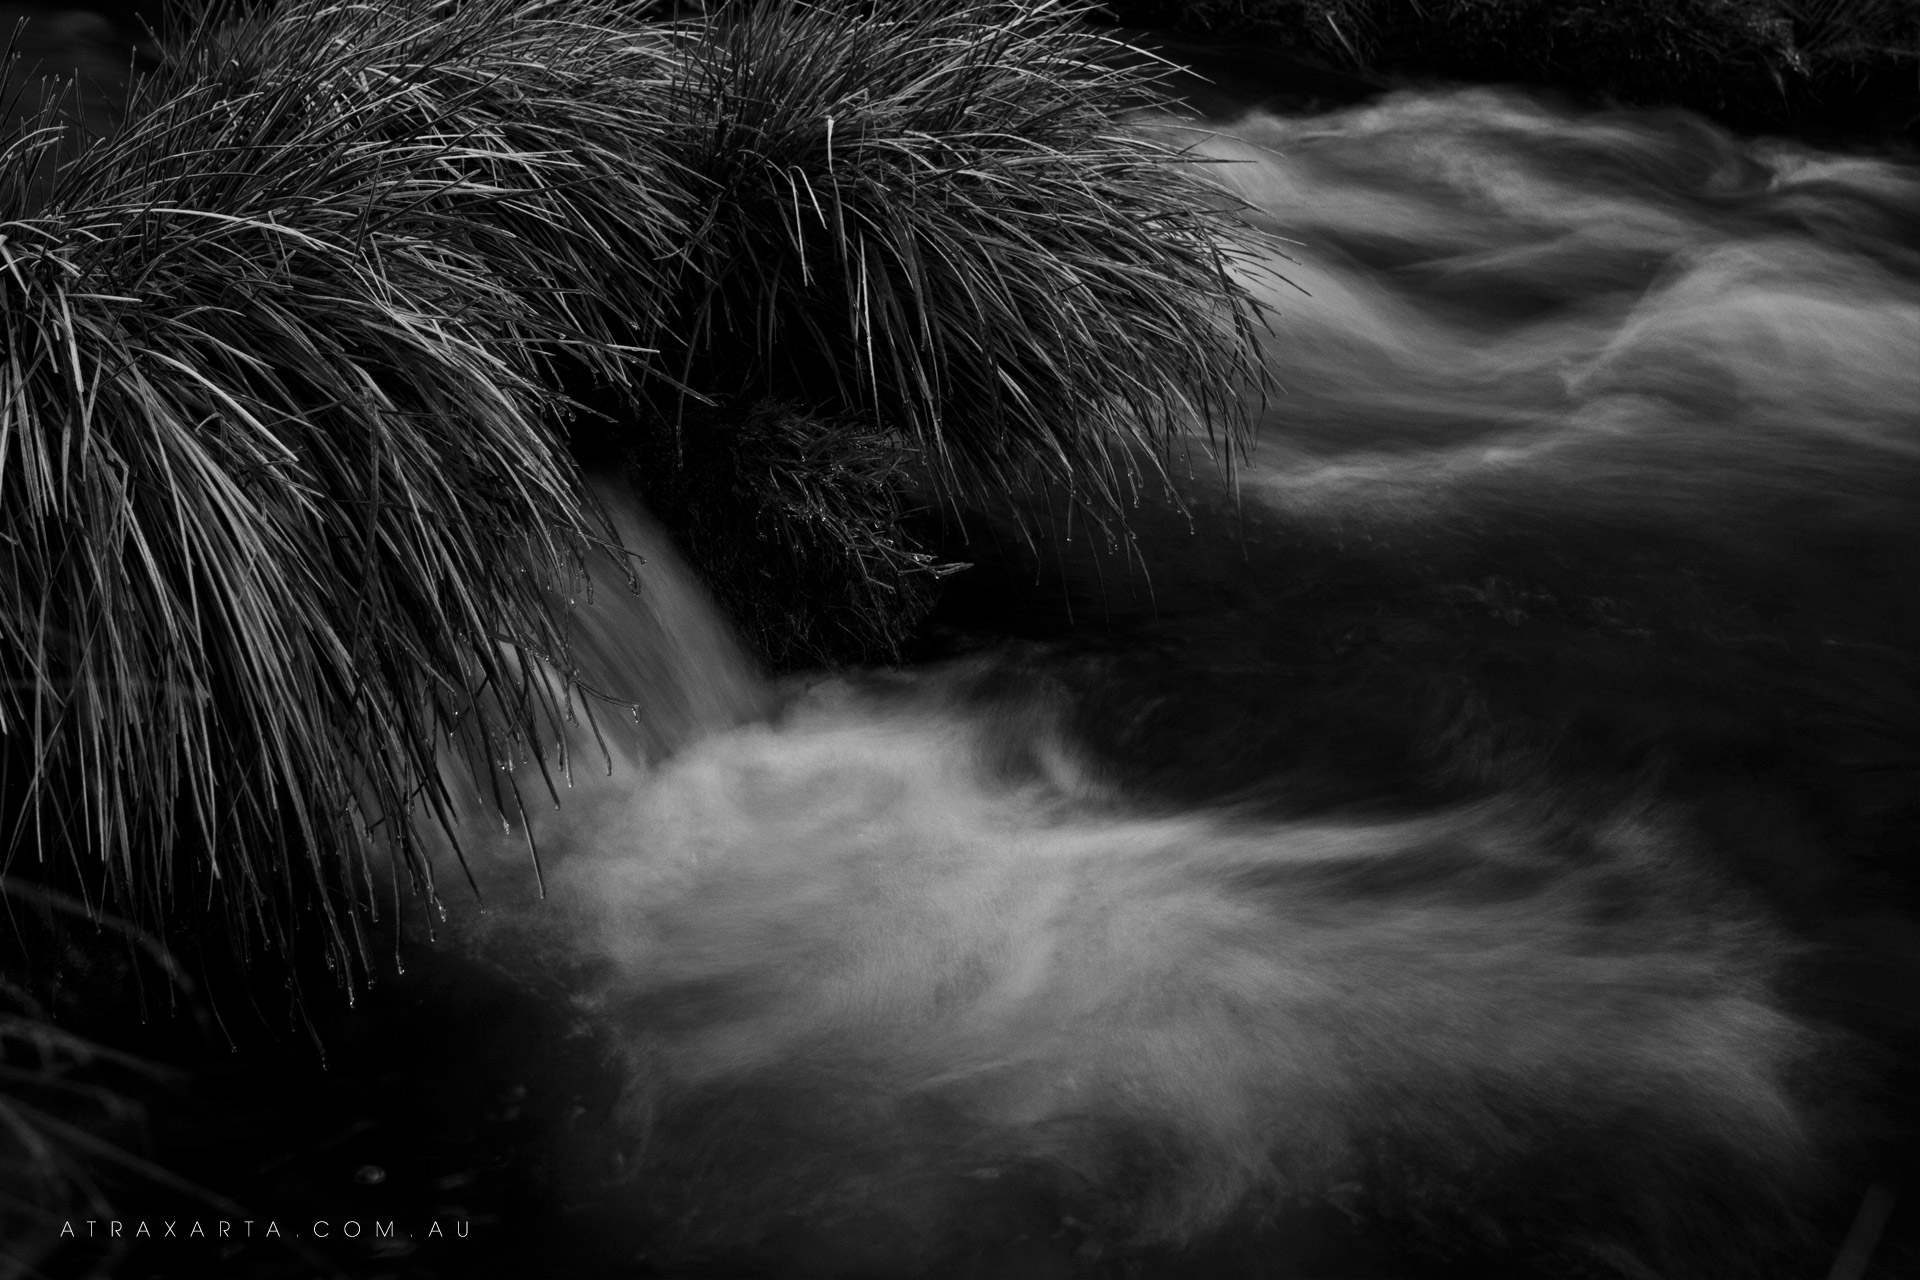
1452, 840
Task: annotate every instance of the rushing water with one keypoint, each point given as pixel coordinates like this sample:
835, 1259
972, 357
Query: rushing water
1480, 844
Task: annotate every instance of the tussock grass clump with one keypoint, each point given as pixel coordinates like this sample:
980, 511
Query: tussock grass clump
279, 485
283, 506
933, 216
537, 121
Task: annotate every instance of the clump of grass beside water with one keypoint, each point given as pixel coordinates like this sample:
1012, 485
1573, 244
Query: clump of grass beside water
279, 479
934, 215
282, 490
930, 226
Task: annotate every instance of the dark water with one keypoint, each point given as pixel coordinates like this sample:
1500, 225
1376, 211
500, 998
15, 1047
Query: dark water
1479, 842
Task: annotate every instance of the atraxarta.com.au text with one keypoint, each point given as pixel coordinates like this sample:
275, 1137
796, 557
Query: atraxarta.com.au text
256, 1229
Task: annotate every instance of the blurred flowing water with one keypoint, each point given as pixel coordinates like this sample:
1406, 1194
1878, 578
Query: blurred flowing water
1476, 840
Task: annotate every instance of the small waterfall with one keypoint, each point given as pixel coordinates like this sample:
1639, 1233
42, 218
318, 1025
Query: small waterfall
648, 636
